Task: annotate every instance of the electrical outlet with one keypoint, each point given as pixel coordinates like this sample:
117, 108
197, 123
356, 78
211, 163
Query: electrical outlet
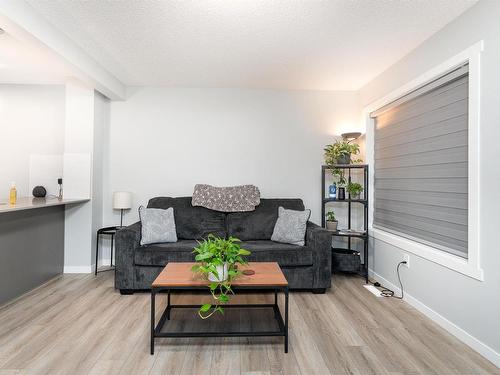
406, 258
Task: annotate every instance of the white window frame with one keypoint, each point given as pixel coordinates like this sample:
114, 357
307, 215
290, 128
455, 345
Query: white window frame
470, 266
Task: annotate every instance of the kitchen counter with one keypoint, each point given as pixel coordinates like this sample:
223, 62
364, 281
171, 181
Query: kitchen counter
30, 203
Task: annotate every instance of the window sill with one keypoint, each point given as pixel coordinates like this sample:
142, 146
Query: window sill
453, 262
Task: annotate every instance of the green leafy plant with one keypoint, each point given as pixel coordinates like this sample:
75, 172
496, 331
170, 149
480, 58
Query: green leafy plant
330, 216
354, 188
340, 175
212, 253
335, 153
339, 150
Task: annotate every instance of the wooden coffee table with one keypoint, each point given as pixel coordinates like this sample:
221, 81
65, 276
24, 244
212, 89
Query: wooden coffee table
178, 276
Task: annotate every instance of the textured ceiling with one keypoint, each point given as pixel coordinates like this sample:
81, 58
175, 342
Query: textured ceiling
326, 45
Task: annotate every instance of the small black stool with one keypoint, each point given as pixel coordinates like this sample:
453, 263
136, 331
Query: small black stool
110, 231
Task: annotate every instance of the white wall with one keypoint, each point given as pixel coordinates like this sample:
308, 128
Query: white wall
164, 141
468, 307
101, 139
31, 123
82, 130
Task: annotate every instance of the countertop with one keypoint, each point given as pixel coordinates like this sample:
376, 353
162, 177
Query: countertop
30, 203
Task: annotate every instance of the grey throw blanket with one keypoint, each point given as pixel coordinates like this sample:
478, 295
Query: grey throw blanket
226, 199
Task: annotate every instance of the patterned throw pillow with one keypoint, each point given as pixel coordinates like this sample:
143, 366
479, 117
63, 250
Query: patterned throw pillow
158, 225
291, 226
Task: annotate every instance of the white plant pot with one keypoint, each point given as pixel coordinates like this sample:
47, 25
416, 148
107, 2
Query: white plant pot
332, 225
222, 272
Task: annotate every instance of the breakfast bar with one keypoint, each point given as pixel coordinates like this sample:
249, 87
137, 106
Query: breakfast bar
31, 243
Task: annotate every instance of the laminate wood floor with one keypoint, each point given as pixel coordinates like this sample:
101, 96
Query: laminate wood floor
78, 324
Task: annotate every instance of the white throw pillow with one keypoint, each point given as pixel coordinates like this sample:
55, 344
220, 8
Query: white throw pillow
291, 226
158, 225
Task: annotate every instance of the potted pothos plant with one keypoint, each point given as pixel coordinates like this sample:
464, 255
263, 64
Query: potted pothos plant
340, 152
218, 261
354, 189
331, 221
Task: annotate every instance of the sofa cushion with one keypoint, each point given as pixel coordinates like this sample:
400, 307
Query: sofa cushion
192, 223
162, 253
285, 254
291, 226
157, 225
262, 251
259, 224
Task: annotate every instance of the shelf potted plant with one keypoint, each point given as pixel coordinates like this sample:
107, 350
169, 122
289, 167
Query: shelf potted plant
354, 189
340, 152
331, 222
218, 261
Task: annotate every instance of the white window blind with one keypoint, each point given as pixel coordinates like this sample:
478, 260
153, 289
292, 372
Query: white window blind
421, 164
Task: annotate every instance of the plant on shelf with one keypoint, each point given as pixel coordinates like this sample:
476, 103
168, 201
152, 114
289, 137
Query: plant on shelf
340, 152
218, 260
354, 189
331, 222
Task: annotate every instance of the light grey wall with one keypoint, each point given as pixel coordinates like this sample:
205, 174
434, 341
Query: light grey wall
472, 305
101, 128
164, 141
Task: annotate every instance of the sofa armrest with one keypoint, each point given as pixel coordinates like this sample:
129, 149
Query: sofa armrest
127, 240
319, 240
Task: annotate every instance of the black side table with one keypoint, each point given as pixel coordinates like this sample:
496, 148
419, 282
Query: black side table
110, 231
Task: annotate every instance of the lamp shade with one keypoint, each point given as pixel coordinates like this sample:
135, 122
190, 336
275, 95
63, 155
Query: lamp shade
122, 200
351, 136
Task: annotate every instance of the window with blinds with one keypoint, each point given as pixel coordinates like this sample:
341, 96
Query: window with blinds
421, 164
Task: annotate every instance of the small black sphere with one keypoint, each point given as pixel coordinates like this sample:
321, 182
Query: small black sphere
39, 192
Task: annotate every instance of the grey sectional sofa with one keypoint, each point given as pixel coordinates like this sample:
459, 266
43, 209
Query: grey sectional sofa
305, 267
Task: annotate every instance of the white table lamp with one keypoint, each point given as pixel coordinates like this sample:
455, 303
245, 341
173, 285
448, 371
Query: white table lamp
122, 200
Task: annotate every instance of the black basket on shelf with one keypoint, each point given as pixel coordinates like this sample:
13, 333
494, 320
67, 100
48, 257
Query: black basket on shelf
345, 260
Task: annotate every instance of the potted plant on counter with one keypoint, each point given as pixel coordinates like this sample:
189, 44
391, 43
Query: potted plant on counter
354, 190
331, 222
218, 260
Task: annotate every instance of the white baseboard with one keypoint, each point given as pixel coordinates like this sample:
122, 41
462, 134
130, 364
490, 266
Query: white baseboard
480, 347
86, 269
78, 269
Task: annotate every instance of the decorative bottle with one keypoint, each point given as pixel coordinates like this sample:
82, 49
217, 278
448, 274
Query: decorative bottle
332, 191
13, 193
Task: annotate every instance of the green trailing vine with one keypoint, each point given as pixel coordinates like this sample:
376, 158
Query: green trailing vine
214, 252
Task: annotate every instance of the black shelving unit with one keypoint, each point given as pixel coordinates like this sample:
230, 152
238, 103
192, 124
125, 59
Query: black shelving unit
363, 235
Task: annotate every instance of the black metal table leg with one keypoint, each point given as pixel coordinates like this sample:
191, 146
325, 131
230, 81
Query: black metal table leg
276, 308
112, 238
286, 320
168, 305
158, 329
96, 253
110, 231
152, 321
